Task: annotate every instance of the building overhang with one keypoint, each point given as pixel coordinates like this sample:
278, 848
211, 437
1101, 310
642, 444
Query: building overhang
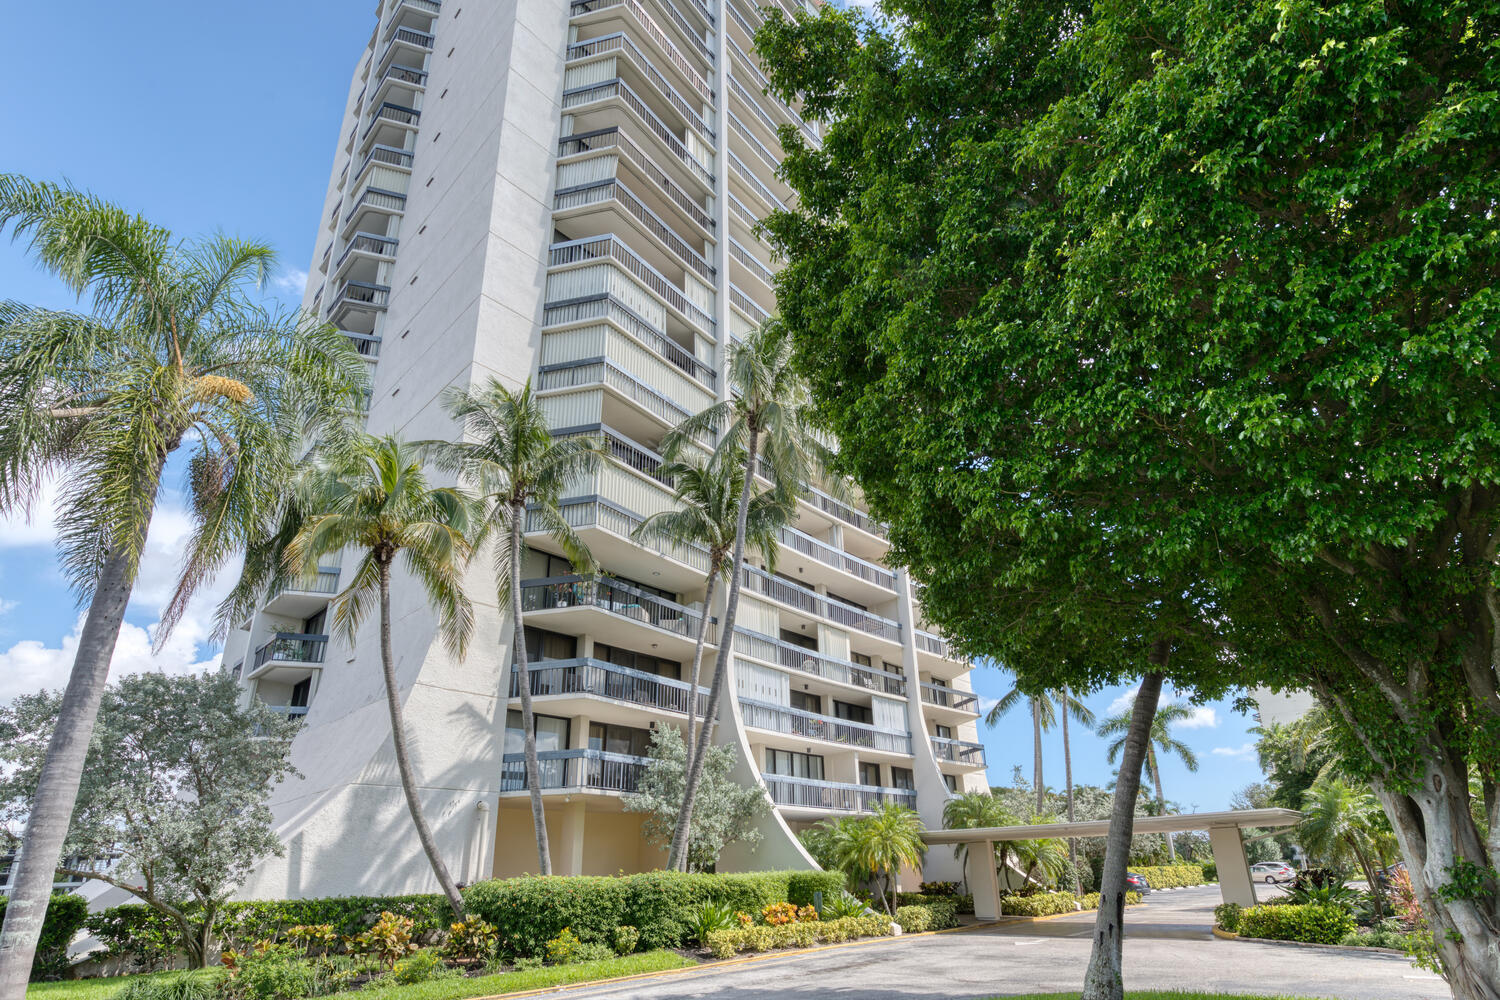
1264, 819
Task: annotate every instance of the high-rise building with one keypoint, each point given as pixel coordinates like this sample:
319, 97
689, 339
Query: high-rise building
568, 192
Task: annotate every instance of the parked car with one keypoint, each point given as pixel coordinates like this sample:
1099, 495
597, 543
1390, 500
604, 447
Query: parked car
1273, 872
1136, 883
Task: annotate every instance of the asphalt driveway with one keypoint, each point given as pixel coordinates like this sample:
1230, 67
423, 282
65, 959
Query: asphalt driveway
1168, 946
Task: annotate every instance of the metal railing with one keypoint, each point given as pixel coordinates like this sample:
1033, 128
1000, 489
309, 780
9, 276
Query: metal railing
377, 199
934, 644
843, 512
753, 181
605, 306
750, 263
388, 156
958, 751
946, 697
389, 112
574, 99
617, 140
619, 41
601, 679
325, 582
290, 711
381, 246
597, 248
747, 305
409, 36
596, 770
572, 374
618, 599
586, 512
837, 558
616, 190
627, 452
292, 647
809, 725
367, 344
404, 74
810, 661
699, 84
813, 603
363, 293
834, 796
765, 84
765, 154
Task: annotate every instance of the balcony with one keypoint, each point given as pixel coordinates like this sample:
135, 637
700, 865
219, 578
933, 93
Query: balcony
833, 796
958, 752
367, 344
760, 79
946, 697
621, 43
614, 190
601, 355
360, 296
613, 250
617, 140
599, 679
373, 200
578, 102
406, 38
621, 600
368, 245
808, 725
812, 662
583, 770
383, 156
298, 712
837, 558
600, 513
934, 644
292, 647
817, 605
604, 303
693, 38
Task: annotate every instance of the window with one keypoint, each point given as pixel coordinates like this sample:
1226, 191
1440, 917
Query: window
557, 566
619, 739
799, 640
951, 781
301, 691
791, 764
893, 668
861, 659
544, 645
552, 733
869, 774
853, 713
638, 661
942, 732
901, 778
315, 624
808, 702
845, 600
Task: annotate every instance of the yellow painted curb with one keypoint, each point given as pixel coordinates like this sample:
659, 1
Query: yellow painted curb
1224, 935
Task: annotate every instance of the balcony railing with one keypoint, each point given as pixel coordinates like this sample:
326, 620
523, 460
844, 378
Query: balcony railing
660, 37
834, 796
946, 697
754, 183
606, 306
749, 261
808, 725
325, 582
292, 647
767, 157
388, 156
611, 247
623, 43
594, 770
572, 375
934, 644
958, 751
765, 84
389, 112
813, 603
747, 305
615, 190
847, 514
362, 293
405, 74
837, 558
409, 36
290, 711
385, 201
615, 139
380, 246
810, 661
598, 512
367, 344
618, 599
601, 679
575, 99
425, 6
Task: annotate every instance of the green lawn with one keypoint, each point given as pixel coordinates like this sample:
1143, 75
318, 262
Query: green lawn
439, 989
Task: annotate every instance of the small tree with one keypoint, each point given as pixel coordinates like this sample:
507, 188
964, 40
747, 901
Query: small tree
175, 785
878, 846
727, 809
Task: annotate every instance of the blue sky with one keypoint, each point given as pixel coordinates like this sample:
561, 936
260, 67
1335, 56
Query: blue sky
209, 116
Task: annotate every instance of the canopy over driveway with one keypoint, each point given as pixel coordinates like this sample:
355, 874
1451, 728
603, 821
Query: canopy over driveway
1224, 836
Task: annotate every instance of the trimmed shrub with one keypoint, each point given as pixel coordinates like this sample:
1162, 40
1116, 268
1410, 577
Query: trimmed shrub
914, 918
1227, 916
1314, 923
418, 968
943, 910
1043, 904
1211, 871
66, 915
626, 938
1171, 876
801, 886
592, 952
727, 943
194, 987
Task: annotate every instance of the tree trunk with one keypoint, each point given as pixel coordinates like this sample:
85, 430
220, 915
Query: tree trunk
523, 681
677, 858
403, 758
1036, 756
1105, 979
57, 788
690, 740
1068, 791
1161, 801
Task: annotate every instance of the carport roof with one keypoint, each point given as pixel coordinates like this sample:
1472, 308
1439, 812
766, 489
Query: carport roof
1235, 818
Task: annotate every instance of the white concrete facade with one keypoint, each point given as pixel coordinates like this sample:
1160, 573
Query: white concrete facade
567, 192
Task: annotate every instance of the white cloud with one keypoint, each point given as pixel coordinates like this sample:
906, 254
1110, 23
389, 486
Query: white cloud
1245, 751
17, 531
1123, 704
1203, 717
987, 704
31, 665
291, 282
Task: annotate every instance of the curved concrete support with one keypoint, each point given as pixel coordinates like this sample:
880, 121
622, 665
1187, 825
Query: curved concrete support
932, 792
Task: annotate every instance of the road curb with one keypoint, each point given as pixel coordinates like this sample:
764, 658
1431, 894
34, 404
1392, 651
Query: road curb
1350, 949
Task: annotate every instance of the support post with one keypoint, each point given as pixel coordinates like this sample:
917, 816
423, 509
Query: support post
980, 871
1235, 883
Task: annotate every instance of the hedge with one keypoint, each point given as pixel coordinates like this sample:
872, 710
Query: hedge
66, 913
1090, 900
1043, 904
728, 943
1171, 876
1316, 923
1227, 916
961, 903
929, 913
532, 910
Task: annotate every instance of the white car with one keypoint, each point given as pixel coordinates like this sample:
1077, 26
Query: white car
1273, 872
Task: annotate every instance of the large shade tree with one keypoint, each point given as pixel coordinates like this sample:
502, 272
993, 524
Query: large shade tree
1193, 271
171, 357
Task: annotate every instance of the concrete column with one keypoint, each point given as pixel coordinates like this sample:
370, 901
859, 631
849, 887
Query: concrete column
932, 793
980, 872
567, 848
1235, 883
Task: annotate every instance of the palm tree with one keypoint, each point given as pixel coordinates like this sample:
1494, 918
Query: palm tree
1085, 716
1041, 860
171, 359
879, 845
519, 470
1161, 740
1044, 713
708, 492
767, 421
1341, 822
972, 811
373, 496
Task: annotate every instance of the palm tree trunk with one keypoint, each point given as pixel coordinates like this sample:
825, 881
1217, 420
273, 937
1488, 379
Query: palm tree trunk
57, 788
523, 680
1161, 801
403, 758
1036, 760
678, 856
690, 741
1105, 979
1068, 788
